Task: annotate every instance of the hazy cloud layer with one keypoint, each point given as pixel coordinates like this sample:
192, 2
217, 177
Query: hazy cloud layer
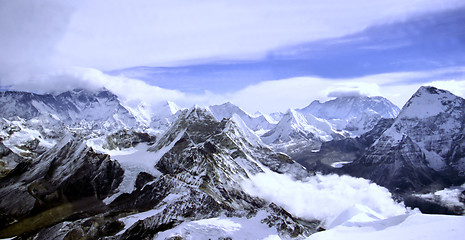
267, 96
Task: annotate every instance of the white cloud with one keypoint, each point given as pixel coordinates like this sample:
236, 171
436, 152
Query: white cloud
29, 33
267, 96
322, 197
280, 95
131, 91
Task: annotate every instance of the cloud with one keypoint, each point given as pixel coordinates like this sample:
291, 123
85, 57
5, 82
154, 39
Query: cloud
131, 92
29, 34
266, 96
280, 95
121, 33
337, 94
322, 197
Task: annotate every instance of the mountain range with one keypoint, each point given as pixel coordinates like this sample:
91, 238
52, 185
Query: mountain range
82, 164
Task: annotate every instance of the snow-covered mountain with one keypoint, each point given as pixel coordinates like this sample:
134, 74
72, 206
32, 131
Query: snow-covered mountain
157, 116
354, 114
258, 123
93, 109
82, 164
295, 129
423, 149
302, 131
32, 123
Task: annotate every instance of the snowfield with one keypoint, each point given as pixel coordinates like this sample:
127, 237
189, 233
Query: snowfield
404, 227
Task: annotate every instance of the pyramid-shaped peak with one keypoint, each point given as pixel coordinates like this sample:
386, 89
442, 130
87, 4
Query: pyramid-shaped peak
228, 104
197, 114
430, 101
226, 107
430, 90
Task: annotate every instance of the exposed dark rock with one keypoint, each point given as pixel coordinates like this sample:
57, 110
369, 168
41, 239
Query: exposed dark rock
68, 179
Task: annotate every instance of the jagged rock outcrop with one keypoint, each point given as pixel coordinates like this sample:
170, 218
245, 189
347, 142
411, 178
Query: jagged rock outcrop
8, 160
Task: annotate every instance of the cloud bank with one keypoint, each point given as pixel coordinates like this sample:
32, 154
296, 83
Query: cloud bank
322, 197
267, 96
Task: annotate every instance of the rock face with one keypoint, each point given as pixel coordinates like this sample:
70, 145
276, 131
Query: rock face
32, 123
8, 160
66, 180
54, 185
423, 149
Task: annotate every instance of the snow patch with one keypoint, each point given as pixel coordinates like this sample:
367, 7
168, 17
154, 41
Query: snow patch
339, 164
413, 226
222, 227
134, 161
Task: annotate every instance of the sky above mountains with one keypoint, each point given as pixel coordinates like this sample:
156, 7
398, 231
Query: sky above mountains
261, 55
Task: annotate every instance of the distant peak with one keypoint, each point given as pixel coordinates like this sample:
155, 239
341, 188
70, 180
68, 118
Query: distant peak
226, 104
173, 107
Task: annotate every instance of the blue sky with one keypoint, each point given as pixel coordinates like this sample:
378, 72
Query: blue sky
420, 43
262, 55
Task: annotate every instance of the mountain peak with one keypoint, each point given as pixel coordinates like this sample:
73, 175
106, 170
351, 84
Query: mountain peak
347, 107
199, 113
430, 101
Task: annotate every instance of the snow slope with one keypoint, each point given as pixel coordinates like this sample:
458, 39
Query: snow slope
356, 114
408, 227
258, 123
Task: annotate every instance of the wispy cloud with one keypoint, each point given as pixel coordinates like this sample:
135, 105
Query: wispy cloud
266, 96
116, 34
